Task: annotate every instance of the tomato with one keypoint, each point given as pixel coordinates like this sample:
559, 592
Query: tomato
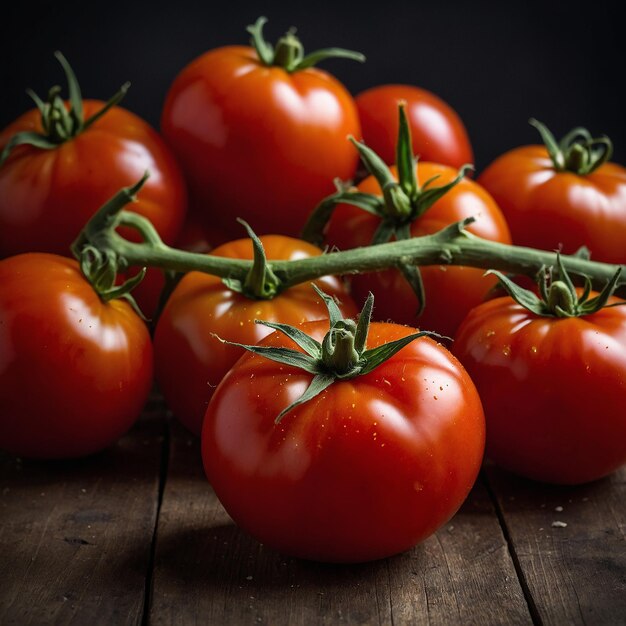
190, 361
554, 207
257, 141
450, 291
75, 372
438, 132
366, 469
553, 389
47, 196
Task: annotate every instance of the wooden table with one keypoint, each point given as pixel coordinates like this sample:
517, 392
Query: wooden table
135, 535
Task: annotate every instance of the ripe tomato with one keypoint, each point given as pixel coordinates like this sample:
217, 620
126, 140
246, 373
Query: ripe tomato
450, 291
550, 207
258, 141
47, 195
190, 361
437, 131
366, 469
75, 372
553, 389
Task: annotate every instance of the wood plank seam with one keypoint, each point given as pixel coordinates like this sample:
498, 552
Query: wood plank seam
532, 607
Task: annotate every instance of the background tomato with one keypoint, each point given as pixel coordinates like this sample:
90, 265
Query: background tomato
75, 372
190, 361
438, 132
256, 141
553, 389
450, 291
551, 209
364, 470
47, 196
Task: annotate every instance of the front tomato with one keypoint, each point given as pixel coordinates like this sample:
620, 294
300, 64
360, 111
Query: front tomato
75, 372
260, 139
366, 469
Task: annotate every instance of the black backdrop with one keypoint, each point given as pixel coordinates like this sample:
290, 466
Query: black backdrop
496, 63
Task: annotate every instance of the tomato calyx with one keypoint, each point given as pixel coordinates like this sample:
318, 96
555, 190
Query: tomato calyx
59, 121
260, 283
557, 295
402, 202
289, 52
577, 152
341, 355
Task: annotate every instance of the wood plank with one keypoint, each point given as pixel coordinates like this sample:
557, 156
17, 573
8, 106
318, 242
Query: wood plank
75, 536
207, 571
570, 545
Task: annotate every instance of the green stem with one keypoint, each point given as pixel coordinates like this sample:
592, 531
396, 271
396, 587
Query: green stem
452, 245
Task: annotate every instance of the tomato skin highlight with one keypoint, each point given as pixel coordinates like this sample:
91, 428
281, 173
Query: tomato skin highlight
47, 196
560, 210
451, 291
367, 469
257, 142
190, 361
438, 132
75, 372
553, 389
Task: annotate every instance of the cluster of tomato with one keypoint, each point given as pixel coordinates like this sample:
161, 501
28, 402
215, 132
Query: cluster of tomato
374, 462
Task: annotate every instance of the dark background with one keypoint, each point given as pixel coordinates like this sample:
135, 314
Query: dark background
496, 63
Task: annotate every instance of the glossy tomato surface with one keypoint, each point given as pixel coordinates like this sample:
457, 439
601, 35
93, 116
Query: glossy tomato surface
47, 196
75, 372
190, 361
450, 291
367, 469
256, 142
549, 209
437, 131
553, 390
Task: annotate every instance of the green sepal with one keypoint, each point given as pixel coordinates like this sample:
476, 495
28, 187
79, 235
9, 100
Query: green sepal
377, 356
29, 138
363, 324
428, 196
405, 159
319, 383
334, 314
413, 276
311, 346
313, 231
328, 53
284, 356
522, 296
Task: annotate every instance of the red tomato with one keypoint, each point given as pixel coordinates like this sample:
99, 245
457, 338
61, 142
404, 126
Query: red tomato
75, 372
437, 131
258, 142
47, 196
190, 361
366, 469
450, 291
549, 209
553, 389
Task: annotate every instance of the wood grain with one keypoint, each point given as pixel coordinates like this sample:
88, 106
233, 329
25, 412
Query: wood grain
570, 545
75, 536
209, 572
